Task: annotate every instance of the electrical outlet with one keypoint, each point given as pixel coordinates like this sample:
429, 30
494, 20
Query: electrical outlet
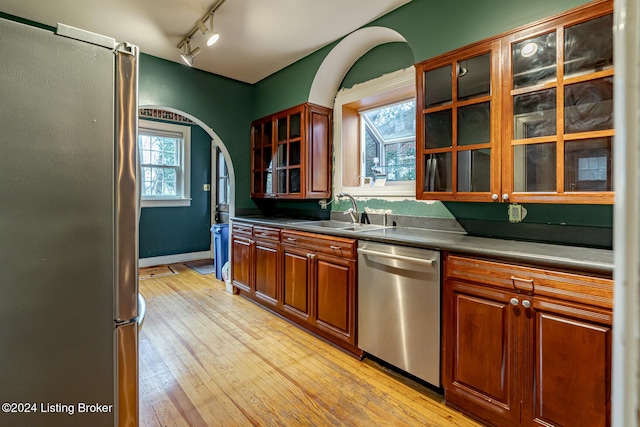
207, 187
516, 212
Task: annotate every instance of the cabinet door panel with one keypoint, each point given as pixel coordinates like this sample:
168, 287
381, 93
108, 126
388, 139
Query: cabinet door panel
483, 324
296, 282
480, 333
318, 166
571, 371
241, 264
335, 296
266, 272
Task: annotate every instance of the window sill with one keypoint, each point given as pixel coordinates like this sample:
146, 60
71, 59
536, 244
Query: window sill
165, 203
386, 191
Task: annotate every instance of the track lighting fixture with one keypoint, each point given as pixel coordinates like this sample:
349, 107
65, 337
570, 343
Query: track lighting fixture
210, 36
188, 55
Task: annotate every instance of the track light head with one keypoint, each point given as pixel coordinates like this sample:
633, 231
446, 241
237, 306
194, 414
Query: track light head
188, 55
210, 37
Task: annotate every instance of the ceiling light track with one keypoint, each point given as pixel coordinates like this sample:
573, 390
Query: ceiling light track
210, 36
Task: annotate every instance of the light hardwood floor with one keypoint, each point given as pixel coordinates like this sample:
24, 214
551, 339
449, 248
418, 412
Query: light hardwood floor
210, 358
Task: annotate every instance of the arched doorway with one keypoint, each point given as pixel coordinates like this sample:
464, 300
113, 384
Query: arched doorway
217, 150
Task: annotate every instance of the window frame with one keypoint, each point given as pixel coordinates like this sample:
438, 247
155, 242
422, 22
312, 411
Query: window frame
388, 89
183, 172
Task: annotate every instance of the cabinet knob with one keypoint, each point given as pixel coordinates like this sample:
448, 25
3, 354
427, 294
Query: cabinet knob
494, 197
311, 256
514, 301
505, 196
526, 303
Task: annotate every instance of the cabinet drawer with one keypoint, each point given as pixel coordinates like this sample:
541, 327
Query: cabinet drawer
241, 229
330, 245
268, 233
574, 287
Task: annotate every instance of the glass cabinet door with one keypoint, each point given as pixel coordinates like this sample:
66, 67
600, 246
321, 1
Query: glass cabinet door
262, 159
561, 128
289, 155
458, 118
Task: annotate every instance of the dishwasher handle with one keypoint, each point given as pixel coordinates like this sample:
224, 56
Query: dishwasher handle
427, 262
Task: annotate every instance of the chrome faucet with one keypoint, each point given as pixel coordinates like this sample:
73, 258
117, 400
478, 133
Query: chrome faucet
353, 210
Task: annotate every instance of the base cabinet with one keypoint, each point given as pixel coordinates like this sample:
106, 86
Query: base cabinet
319, 285
526, 346
308, 278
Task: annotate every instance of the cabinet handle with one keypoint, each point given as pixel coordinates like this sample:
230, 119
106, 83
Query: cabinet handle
514, 301
264, 234
291, 239
311, 256
518, 279
335, 247
526, 303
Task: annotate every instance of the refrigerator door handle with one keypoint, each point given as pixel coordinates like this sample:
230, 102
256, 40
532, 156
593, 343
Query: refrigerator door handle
126, 189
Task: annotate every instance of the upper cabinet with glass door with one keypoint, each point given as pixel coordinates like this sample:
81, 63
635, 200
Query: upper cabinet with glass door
291, 155
523, 117
458, 122
559, 113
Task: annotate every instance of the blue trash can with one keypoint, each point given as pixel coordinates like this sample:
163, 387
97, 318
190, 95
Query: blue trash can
220, 247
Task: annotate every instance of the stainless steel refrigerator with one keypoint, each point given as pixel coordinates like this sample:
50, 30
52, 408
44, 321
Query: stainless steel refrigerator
68, 228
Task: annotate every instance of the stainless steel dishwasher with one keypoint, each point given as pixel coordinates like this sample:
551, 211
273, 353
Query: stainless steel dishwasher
399, 307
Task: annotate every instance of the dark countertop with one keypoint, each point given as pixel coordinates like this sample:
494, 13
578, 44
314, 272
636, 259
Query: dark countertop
558, 256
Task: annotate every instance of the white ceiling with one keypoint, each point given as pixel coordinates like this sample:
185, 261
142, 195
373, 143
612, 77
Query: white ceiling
257, 37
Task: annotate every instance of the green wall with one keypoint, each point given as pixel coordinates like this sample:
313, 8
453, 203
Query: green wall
184, 229
380, 60
222, 104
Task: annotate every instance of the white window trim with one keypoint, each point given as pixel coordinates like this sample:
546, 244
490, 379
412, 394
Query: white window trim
388, 82
185, 168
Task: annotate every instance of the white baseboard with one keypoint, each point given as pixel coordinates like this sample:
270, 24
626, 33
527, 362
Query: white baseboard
172, 259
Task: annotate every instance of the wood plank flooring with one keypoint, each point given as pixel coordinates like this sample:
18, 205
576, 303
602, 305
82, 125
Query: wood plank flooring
210, 358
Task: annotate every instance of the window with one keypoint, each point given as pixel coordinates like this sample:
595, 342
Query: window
388, 142
374, 137
164, 164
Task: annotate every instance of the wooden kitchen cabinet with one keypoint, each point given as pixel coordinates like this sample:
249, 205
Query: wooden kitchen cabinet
291, 154
526, 345
458, 125
319, 285
558, 112
526, 116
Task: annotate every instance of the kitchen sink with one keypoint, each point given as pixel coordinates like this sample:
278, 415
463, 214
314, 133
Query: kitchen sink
339, 225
